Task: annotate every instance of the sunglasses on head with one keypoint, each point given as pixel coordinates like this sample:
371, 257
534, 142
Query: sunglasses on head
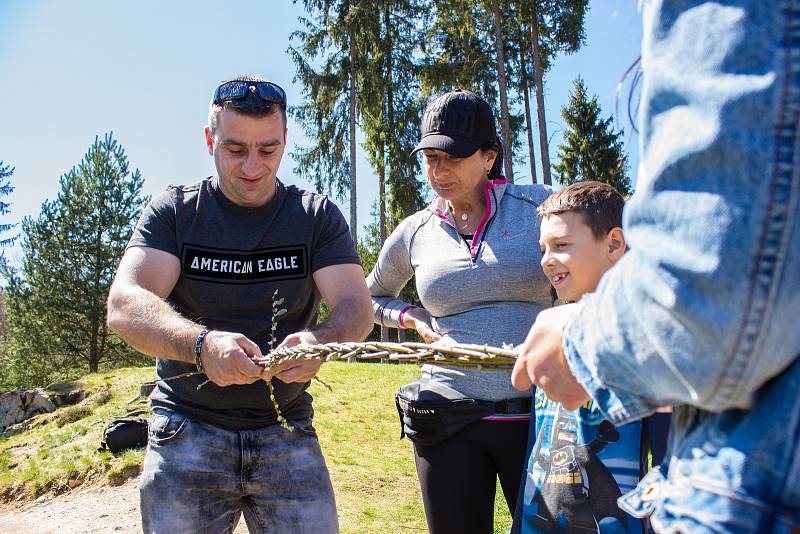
237, 90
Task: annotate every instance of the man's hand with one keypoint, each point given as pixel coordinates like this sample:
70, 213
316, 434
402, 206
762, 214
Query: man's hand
541, 360
226, 359
300, 370
420, 320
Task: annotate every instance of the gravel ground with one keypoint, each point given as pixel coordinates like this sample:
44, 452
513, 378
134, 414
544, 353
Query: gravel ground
86, 509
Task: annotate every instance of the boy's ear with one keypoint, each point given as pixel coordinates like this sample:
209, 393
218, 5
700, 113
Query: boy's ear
615, 240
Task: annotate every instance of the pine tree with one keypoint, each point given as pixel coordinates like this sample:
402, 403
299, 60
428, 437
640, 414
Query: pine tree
333, 38
500, 62
390, 103
6, 171
591, 149
463, 48
56, 299
548, 27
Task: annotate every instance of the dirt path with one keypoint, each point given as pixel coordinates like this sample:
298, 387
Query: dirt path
87, 509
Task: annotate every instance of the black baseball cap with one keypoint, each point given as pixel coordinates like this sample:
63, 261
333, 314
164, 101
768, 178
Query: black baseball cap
459, 123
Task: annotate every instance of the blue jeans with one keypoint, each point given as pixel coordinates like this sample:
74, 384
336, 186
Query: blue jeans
702, 312
200, 478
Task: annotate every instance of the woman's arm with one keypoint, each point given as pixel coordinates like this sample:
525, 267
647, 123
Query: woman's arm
391, 273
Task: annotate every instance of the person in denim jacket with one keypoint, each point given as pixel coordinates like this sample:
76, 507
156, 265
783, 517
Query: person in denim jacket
700, 314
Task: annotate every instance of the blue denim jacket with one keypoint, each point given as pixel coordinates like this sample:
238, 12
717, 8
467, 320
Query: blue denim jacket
703, 312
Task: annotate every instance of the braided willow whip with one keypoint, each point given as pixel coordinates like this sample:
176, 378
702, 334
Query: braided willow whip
470, 355
477, 355
412, 352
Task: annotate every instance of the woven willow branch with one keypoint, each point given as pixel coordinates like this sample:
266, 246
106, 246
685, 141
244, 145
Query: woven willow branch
478, 355
412, 352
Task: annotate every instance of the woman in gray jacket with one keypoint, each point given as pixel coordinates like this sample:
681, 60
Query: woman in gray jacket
475, 254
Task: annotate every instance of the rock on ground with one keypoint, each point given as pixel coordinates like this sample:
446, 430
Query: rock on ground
19, 405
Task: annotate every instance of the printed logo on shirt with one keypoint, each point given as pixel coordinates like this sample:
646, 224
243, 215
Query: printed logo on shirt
509, 236
244, 267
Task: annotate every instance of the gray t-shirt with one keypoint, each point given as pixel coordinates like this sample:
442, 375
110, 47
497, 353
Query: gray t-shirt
233, 259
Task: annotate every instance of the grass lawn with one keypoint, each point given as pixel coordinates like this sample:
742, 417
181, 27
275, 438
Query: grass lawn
372, 470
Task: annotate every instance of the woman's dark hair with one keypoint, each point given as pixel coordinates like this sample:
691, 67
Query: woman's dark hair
497, 168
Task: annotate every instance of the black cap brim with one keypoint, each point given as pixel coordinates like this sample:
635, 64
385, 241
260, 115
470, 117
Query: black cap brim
459, 147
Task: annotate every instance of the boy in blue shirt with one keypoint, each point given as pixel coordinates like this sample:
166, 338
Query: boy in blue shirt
579, 464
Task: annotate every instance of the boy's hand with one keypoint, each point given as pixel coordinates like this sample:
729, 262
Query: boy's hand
541, 360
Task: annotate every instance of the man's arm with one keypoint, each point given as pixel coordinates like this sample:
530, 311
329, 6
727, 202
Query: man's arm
343, 288
139, 314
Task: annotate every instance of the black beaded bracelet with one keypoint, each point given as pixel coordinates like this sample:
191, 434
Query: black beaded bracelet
198, 344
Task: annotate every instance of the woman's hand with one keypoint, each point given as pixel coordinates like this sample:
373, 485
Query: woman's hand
420, 320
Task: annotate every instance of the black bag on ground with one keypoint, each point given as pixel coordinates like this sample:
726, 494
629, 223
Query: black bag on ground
431, 412
125, 433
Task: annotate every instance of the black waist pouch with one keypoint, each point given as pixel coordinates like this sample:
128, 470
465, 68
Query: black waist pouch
431, 412
121, 434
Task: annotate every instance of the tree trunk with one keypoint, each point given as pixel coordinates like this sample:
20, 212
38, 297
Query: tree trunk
528, 122
352, 121
537, 72
96, 307
386, 155
388, 142
382, 219
501, 78
94, 357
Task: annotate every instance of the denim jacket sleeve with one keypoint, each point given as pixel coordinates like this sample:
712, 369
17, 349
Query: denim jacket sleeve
703, 309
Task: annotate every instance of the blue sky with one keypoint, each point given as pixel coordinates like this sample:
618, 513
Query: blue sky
146, 70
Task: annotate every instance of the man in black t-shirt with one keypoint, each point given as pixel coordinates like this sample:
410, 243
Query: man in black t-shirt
207, 271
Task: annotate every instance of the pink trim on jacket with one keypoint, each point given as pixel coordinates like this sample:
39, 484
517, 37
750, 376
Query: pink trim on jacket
473, 247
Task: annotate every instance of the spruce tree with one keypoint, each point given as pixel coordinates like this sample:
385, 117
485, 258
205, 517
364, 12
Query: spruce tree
56, 299
591, 149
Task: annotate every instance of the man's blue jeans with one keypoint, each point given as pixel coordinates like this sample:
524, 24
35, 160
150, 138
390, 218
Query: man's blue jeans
200, 478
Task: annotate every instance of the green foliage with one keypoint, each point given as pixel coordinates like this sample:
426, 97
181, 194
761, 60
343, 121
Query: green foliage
62, 446
561, 26
460, 46
321, 54
71, 414
19, 369
6, 171
56, 299
591, 149
356, 57
458, 50
391, 106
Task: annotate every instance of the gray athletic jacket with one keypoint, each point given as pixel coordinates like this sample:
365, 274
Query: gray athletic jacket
487, 291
